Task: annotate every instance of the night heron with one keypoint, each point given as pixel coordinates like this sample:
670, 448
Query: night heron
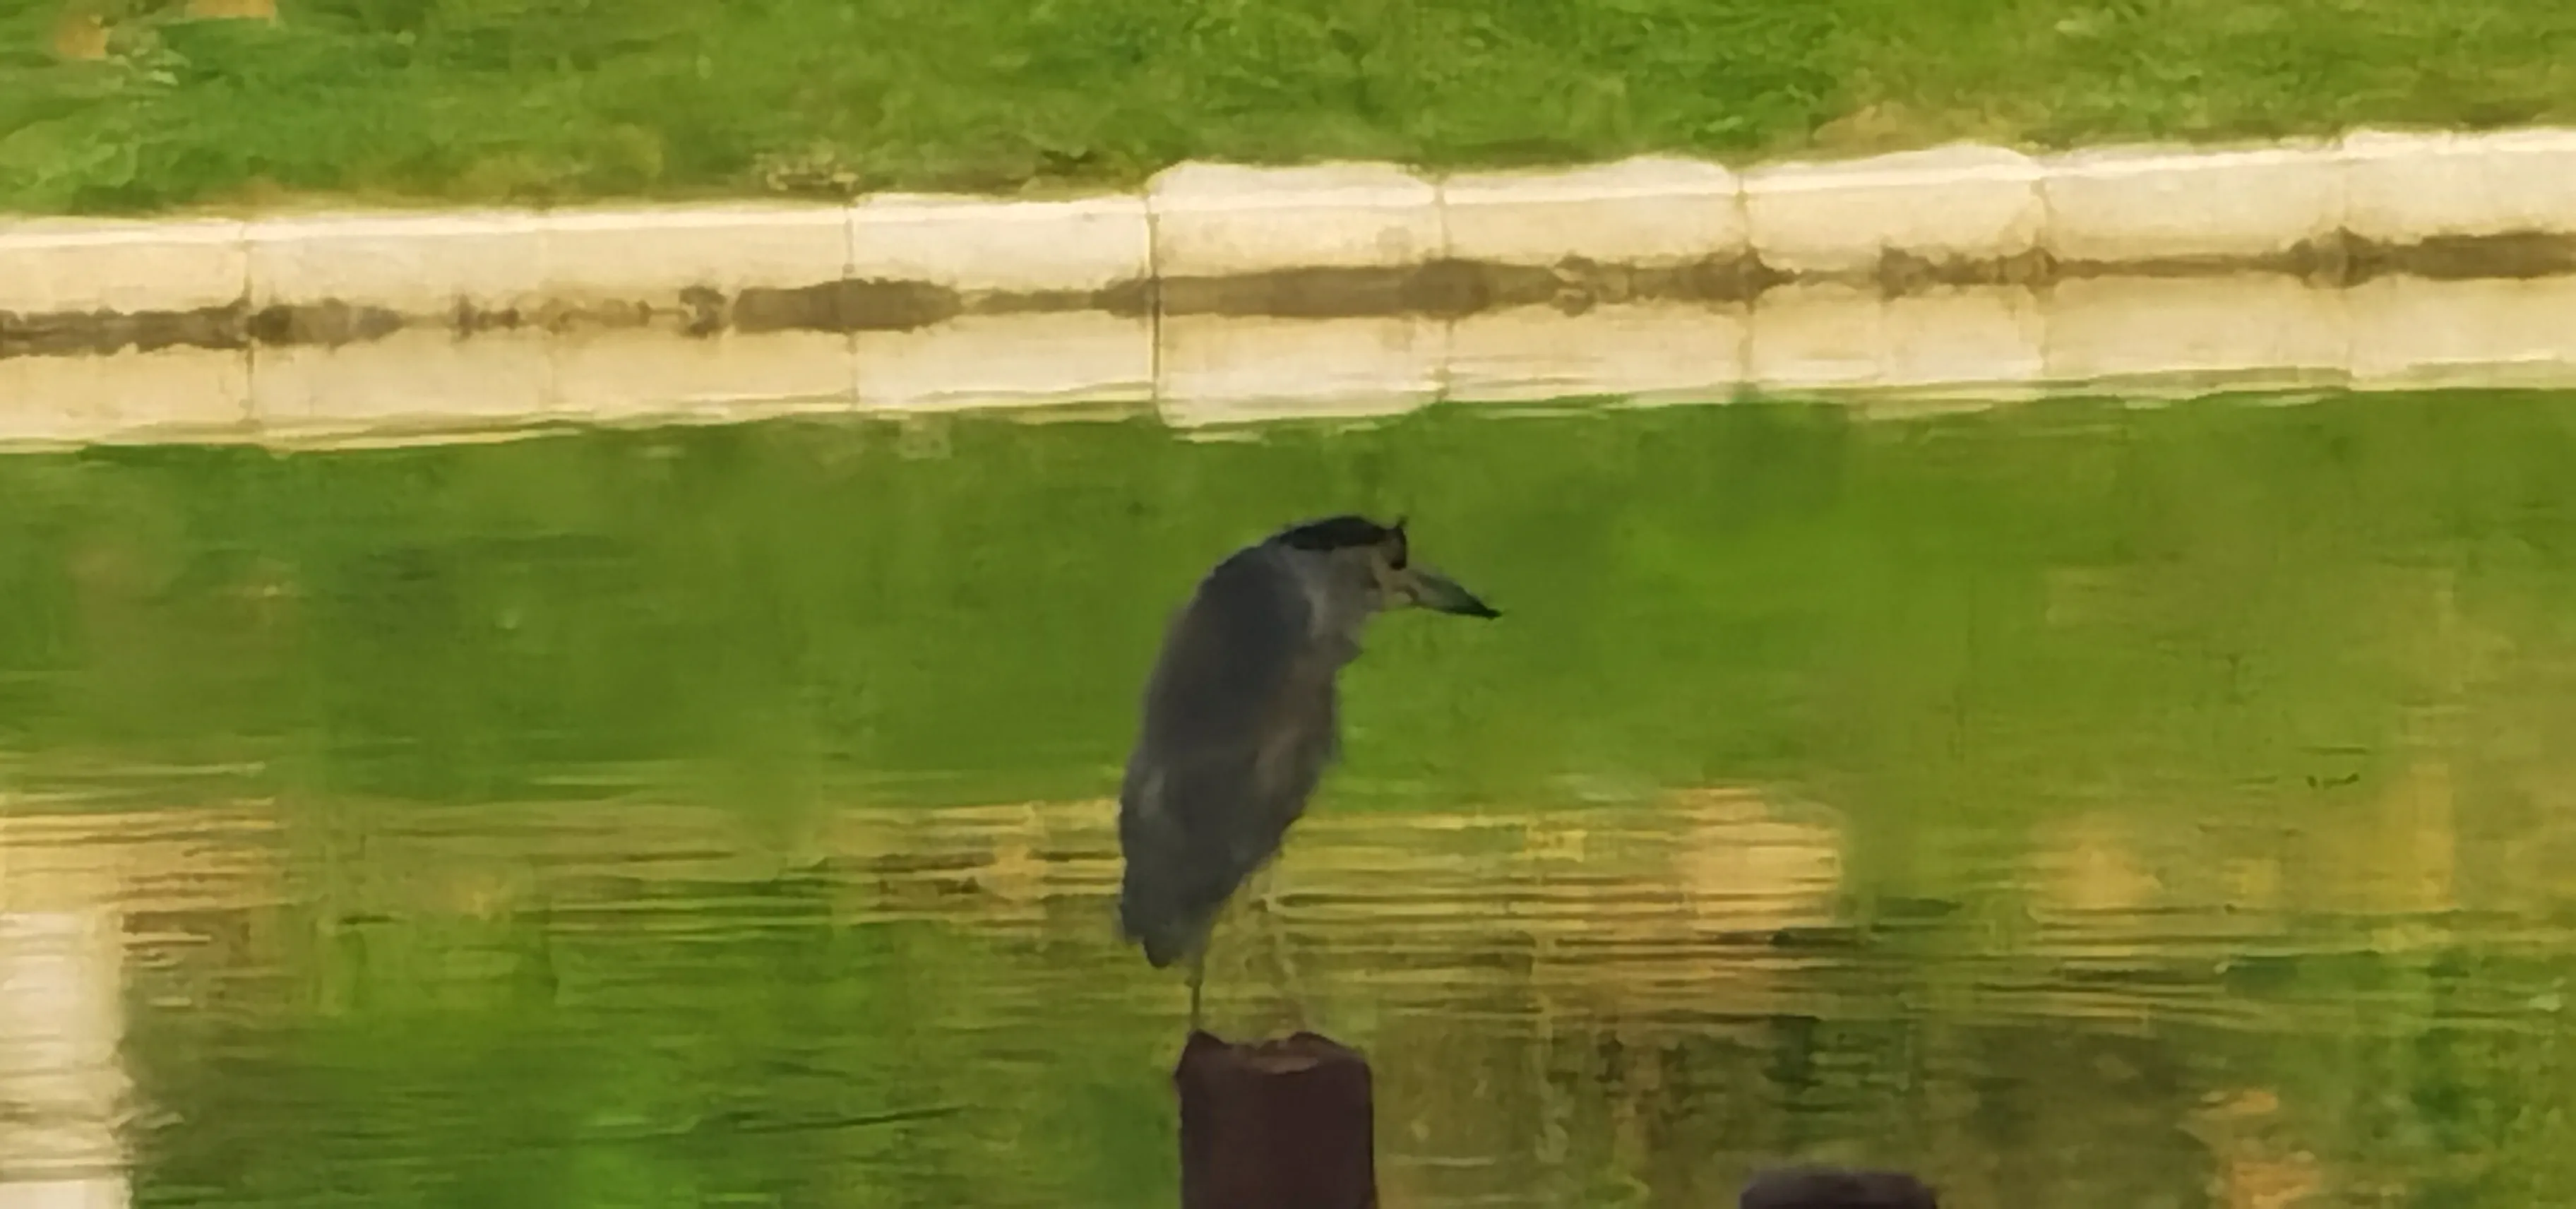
1240, 719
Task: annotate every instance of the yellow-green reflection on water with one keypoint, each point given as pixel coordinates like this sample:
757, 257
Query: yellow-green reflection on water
2079, 805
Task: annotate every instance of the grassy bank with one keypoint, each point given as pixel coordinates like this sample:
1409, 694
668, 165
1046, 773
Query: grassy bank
549, 99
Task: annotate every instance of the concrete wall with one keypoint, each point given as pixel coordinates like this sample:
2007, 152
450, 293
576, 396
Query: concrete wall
1226, 293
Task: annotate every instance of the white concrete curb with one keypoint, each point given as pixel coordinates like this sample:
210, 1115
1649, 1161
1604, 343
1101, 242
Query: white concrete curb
1944, 204
1957, 270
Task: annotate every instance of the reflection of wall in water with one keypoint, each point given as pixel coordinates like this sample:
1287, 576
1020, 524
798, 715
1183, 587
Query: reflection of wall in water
2347, 802
1634, 902
2136, 881
78, 892
1685, 907
1614, 958
62, 1086
1993, 1111
2259, 1165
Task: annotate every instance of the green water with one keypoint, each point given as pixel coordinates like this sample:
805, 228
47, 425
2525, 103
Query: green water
2083, 805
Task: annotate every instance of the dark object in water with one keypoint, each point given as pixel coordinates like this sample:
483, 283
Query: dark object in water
1835, 1188
1281, 1124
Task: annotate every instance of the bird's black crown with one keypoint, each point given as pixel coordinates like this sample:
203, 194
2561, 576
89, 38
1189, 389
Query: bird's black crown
1344, 532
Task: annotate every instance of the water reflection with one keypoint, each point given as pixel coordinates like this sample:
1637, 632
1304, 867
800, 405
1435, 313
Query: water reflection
1927, 349
62, 1080
2080, 805
1577, 1005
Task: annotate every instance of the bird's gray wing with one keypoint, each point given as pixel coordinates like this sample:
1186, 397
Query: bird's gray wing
1227, 751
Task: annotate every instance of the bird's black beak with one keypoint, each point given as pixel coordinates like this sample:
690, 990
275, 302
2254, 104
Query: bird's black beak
1429, 589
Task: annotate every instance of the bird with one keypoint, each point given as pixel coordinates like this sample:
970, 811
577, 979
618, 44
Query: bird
1240, 719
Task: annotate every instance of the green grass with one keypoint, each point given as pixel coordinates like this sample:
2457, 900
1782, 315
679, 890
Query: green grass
528, 100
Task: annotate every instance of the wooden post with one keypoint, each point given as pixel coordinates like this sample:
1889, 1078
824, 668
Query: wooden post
1283, 1124
1835, 1188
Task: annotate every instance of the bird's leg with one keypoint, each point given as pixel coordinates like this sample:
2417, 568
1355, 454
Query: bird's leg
1198, 978
1289, 983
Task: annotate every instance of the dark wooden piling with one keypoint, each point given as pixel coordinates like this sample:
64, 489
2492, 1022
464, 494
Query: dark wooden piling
1835, 1188
1283, 1124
